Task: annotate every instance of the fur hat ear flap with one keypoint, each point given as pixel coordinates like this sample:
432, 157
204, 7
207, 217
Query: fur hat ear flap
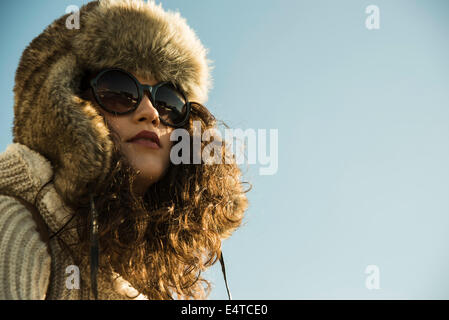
67, 130
82, 128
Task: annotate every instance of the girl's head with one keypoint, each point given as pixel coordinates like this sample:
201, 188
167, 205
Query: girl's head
162, 240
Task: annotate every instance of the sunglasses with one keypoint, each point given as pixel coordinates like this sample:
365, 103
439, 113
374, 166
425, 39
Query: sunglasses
119, 92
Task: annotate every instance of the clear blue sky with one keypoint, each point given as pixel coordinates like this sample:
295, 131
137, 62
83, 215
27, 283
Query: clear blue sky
363, 123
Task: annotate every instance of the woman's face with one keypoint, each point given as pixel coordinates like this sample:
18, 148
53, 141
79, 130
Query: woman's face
151, 163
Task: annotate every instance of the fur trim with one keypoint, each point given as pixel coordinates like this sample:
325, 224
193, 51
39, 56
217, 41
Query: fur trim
131, 34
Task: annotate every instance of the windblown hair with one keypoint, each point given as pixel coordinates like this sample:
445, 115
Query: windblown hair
161, 242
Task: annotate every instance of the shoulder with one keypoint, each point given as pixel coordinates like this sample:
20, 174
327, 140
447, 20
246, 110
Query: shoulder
25, 264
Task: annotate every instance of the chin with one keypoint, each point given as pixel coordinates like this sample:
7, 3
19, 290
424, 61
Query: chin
151, 174
150, 169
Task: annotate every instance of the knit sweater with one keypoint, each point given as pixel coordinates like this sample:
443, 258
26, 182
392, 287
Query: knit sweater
29, 269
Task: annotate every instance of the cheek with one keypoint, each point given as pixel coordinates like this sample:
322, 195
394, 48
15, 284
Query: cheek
169, 145
116, 125
165, 140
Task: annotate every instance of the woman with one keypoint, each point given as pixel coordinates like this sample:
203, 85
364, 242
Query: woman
90, 163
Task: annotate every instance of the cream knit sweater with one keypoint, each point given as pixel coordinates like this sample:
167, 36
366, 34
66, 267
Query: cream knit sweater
27, 270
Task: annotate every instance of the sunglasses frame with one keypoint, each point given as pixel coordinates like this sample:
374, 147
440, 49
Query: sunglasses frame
141, 88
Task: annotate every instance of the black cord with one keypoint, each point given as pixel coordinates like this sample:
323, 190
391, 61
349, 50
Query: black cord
62, 228
223, 270
93, 247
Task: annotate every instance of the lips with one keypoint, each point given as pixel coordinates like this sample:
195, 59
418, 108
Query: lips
147, 138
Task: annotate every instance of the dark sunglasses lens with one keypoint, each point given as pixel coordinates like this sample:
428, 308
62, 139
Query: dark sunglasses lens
170, 104
117, 92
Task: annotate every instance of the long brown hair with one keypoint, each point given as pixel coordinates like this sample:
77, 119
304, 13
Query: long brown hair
162, 242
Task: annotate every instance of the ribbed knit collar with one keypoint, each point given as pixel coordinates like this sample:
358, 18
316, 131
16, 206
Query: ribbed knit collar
23, 173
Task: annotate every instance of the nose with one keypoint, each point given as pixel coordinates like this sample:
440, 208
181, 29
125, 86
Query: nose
146, 112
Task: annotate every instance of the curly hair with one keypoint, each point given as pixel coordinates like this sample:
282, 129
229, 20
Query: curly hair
161, 242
